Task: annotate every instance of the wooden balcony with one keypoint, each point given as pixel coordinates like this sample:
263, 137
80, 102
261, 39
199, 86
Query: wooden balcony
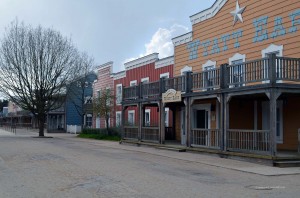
266, 71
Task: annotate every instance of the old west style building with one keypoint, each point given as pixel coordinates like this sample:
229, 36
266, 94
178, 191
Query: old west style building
141, 77
236, 81
104, 82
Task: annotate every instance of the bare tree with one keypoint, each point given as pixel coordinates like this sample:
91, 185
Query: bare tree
79, 91
103, 105
35, 65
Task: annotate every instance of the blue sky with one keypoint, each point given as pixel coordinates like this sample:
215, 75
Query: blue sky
109, 30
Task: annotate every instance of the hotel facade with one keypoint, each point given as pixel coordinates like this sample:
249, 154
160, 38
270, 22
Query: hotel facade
235, 86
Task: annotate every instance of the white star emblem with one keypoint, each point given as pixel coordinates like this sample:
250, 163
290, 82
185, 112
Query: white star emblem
237, 13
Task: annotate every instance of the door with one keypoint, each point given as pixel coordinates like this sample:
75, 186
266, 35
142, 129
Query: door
183, 128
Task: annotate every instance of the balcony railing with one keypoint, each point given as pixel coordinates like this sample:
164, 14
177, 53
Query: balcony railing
130, 132
206, 80
254, 141
150, 90
178, 83
266, 70
210, 138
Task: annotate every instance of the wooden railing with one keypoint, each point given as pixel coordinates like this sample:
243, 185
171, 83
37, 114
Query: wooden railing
206, 80
248, 72
253, 141
266, 70
150, 90
131, 93
178, 83
130, 132
210, 138
287, 69
150, 134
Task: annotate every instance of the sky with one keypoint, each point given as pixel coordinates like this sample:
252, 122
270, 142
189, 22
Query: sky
109, 30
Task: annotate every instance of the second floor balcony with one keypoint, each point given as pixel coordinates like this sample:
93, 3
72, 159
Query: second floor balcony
266, 71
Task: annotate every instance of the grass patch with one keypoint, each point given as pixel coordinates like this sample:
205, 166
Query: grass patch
99, 137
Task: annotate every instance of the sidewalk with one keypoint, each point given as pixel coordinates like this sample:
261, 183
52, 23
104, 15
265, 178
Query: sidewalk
199, 158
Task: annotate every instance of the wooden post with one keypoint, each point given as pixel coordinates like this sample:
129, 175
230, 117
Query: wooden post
272, 69
123, 122
187, 121
226, 120
273, 124
162, 123
141, 120
298, 140
221, 121
188, 82
223, 76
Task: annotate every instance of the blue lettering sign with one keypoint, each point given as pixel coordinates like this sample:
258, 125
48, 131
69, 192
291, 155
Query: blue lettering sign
193, 49
205, 44
295, 22
279, 30
261, 32
215, 48
224, 39
236, 35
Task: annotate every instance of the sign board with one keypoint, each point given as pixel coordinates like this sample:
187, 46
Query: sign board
171, 96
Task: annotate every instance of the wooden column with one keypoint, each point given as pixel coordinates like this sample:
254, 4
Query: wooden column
162, 123
187, 121
221, 120
226, 119
123, 122
273, 95
141, 120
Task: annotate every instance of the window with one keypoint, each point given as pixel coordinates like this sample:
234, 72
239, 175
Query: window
164, 75
145, 80
118, 118
133, 83
166, 117
237, 70
185, 69
131, 117
108, 96
88, 100
147, 117
208, 75
278, 51
98, 94
88, 120
119, 93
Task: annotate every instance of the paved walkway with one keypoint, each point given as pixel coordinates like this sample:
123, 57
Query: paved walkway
186, 156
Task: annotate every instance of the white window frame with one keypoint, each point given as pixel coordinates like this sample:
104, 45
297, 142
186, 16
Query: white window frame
167, 117
269, 50
206, 107
131, 112
118, 95
209, 64
98, 93
186, 69
164, 75
145, 80
133, 83
147, 111
234, 58
118, 113
85, 120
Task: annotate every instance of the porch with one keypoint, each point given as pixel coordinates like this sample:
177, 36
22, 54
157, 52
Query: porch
272, 81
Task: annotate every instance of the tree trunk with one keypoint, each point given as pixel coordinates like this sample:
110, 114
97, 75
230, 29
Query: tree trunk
107, 125
41, 120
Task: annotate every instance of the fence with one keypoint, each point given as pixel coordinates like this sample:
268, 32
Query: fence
210, 138
255, 141
150, 134
130, 132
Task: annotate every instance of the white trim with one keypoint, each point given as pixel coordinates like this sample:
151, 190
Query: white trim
167, 116
106, 65
237, 56
133, 82
208, 64
120, 113
164, 62
186, 69
119, 75
145, 79
185, 38
208, 13
147, 111
164, 75
271, 49
141, 61
133, 112
119, 102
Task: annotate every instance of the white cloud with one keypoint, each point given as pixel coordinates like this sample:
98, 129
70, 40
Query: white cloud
161, 41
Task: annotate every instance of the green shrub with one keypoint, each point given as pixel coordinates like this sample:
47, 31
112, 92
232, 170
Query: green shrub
100, 137
114, 131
